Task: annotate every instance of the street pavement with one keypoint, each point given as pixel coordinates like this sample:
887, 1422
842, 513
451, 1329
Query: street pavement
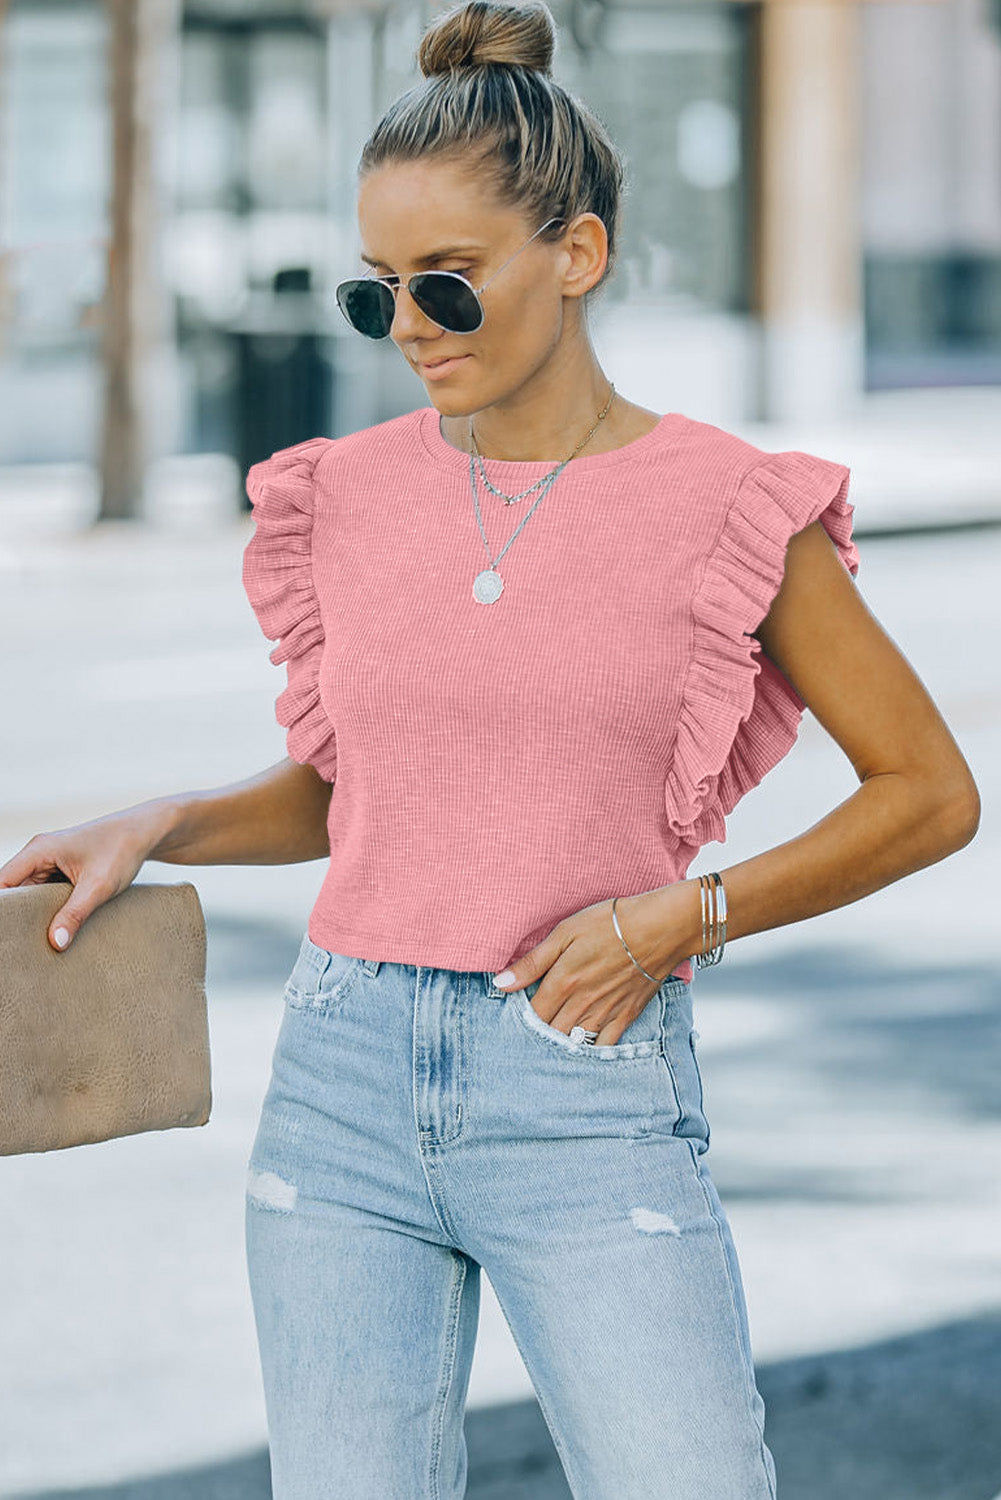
850, 1062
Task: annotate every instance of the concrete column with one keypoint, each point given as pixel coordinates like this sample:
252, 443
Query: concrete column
807, 239
141, 33
352, 94
4, 257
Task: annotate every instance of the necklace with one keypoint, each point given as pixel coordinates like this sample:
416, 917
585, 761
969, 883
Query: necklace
510, 499
488, 584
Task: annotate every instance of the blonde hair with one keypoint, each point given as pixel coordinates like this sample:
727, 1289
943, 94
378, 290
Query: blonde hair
488, 101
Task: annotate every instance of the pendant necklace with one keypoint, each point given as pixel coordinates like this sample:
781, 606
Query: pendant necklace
488, 584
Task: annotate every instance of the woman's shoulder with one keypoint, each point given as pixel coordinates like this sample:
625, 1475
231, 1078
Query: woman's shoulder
719, 455
727, 453
289, 476
752, 498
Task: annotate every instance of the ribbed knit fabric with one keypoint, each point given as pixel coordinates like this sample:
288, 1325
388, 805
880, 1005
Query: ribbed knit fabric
499, 766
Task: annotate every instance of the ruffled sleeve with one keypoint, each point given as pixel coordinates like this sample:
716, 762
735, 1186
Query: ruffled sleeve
740, 715
278, 579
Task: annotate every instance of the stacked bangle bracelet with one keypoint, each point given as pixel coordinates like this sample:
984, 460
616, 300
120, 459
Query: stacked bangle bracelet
713, 899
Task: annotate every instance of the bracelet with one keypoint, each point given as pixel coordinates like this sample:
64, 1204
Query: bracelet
625, 945
712, 897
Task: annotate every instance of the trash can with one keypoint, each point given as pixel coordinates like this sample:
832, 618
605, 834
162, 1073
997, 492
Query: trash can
284, 381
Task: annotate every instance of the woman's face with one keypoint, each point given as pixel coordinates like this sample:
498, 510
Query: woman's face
409, 213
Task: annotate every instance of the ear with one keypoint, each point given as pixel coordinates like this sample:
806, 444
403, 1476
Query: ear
586, 242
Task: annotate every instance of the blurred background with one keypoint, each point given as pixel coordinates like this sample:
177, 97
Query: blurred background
810, 257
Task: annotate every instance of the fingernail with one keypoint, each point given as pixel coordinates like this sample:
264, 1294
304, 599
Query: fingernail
61, 937
505, 978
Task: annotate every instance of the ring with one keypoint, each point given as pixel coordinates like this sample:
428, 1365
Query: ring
579, 1034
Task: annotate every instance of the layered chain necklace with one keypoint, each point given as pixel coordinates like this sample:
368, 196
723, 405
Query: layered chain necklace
488, 584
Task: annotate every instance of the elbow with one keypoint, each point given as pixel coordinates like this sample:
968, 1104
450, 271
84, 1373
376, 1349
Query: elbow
958, 811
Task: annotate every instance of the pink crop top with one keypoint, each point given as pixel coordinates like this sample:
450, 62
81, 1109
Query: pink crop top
498, 766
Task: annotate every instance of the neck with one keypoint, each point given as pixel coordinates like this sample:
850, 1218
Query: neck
530, 428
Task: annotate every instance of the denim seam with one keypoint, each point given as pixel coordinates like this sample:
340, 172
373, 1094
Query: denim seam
448, 1371
702, 1093
463, 1051
425, 1150
663, 1056
748, 1366
455, 1129
698, 1070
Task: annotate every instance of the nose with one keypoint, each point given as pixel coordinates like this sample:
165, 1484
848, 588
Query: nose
408, 320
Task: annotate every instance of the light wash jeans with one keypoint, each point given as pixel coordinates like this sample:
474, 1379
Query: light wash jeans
419, 1124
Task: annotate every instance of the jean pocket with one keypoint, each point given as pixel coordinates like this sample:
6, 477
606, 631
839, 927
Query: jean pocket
320, 980
642, 1038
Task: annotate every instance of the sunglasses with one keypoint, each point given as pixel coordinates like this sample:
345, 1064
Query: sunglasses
448, 299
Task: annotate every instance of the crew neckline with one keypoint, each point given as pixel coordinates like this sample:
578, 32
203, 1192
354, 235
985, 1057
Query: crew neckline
441, 450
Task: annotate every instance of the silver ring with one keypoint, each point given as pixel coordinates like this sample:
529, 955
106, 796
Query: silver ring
579, 1034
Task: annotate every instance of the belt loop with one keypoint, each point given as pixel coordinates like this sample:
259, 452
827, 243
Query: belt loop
371, 966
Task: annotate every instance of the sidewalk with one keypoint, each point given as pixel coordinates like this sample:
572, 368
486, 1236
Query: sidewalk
850, 1062
918, 457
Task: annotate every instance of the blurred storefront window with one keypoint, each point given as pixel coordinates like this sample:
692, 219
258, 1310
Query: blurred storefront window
271, 104
250, 230
54, 189
668, 82
931, 193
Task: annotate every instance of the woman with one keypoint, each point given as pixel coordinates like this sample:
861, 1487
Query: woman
539, 642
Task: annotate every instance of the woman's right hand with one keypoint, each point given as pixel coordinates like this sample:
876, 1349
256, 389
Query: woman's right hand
100, 858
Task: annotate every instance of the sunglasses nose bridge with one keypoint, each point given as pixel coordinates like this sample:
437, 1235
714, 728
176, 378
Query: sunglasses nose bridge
416, 308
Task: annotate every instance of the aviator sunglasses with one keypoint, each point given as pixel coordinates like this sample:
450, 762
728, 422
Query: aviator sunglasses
448, 299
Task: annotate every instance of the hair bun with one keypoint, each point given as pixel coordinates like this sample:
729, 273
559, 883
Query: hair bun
482, 32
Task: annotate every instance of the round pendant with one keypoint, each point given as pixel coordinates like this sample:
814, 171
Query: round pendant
487, 586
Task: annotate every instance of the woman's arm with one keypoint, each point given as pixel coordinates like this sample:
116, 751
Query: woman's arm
917, 801
278, 817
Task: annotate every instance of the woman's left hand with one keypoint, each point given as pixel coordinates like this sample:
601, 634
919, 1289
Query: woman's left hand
590, 980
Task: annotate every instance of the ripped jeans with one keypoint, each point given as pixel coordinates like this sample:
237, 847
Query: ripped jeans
420, 1124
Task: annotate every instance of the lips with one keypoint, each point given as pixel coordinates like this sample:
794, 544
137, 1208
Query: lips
442, 369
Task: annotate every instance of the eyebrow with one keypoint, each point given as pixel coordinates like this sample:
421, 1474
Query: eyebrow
428, 260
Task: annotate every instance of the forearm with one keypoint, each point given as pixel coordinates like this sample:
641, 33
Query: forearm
889, 827
276, 817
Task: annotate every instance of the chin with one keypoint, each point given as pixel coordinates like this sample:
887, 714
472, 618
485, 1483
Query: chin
452, 403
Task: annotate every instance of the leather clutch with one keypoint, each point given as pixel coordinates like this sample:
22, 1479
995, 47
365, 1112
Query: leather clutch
109, 1037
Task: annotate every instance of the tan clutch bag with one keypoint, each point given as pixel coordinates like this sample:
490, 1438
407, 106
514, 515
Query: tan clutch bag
110, 1037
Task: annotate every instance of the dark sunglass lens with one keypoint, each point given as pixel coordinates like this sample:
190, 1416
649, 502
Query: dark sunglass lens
368, 306
447, 301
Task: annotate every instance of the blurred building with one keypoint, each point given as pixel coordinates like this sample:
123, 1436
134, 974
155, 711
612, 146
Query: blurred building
813, 208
